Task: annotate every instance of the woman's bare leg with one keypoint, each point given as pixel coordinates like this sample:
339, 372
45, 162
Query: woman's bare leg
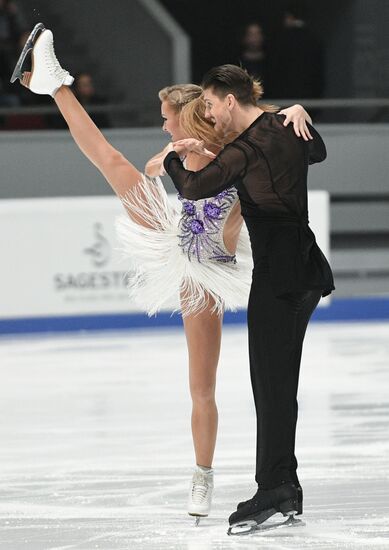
203, 335
117, 170
203, 331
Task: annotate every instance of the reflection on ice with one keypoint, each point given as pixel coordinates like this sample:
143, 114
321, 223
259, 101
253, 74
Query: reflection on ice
96, 448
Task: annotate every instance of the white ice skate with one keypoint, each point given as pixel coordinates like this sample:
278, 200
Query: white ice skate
200, 494
47, 75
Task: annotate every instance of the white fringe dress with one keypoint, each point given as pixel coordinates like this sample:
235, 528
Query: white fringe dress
180, 261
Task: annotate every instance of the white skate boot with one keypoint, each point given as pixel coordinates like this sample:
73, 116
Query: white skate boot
200, 494
47, 75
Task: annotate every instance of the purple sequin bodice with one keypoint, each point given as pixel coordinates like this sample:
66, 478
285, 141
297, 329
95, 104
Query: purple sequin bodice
201, 227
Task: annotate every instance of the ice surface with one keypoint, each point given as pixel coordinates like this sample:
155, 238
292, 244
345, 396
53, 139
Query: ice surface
96, 449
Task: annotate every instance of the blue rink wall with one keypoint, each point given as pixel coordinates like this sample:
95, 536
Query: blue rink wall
339, 310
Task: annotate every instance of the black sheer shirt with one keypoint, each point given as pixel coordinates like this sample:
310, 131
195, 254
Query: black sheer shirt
268, 164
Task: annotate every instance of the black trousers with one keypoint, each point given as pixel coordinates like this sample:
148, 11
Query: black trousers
276, 333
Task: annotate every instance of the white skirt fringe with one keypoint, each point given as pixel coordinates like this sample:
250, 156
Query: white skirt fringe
160, 275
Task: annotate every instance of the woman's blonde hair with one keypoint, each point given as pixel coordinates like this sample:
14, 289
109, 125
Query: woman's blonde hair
180, 94
194, 123
187, 101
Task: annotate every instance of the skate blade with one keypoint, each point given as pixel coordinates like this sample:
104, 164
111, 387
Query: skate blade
251, 526
197, 517
18, 74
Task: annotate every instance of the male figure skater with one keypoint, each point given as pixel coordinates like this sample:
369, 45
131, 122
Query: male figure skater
268, 164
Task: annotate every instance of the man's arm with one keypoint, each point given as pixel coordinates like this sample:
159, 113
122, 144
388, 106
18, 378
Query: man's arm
316, 147
220, 174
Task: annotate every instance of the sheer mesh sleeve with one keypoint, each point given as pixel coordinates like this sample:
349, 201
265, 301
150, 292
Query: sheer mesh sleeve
267, 163
317, 149
220, 174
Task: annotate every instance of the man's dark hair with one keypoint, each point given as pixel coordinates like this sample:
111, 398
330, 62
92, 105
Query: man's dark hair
231, 79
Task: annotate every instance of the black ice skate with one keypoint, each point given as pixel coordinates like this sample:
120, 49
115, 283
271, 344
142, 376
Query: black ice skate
18, 71
252, 515
299, 501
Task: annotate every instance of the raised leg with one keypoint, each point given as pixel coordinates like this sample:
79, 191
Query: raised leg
121, 175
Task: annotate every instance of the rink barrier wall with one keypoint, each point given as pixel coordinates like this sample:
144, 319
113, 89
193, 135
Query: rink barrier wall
64, 260
339, 310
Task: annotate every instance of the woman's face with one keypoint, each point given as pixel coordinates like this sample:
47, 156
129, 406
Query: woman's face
171, 121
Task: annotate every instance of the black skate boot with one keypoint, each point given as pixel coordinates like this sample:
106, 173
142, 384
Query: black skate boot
299, 501
251, 515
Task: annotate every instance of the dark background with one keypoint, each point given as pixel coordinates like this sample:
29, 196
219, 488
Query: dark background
215, 27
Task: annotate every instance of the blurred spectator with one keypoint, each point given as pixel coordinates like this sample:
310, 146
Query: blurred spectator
296, 58
84, 90
253, 55
11, 27
24, 98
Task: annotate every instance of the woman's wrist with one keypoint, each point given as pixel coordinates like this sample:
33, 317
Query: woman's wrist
169, 147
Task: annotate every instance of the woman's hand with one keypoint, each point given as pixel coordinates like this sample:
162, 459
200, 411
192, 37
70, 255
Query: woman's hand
299, 117
191, 145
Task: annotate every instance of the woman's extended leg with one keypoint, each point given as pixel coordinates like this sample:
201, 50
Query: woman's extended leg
117, 170
203, 335
111, 163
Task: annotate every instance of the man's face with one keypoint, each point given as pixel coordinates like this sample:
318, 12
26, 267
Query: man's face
171, 121
218, 111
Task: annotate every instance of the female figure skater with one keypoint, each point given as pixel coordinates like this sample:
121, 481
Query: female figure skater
197, 255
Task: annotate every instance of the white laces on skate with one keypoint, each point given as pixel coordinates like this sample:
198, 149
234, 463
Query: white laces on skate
52, 63
200, 487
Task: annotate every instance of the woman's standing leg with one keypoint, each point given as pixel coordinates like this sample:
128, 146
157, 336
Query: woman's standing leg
203, 335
